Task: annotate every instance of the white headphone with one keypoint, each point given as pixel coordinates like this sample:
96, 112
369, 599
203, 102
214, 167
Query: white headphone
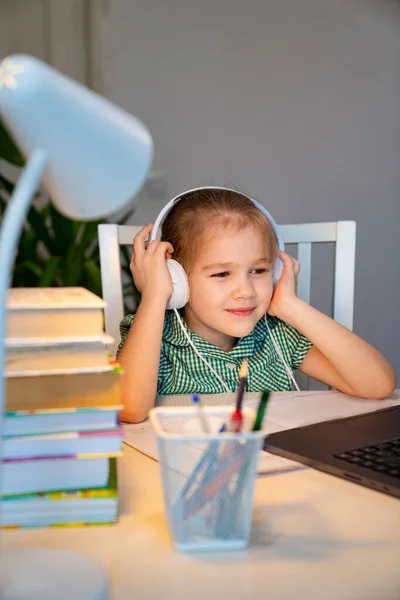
180, 284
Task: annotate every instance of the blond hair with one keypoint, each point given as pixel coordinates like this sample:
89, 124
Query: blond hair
203, 212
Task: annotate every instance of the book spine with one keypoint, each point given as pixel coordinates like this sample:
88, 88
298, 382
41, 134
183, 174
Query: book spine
59, 411
64, 457
65, 495
57, 525
117, 432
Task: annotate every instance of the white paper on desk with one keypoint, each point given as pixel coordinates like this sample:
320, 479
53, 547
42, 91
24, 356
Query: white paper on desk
285, 410
141, 436
304, 408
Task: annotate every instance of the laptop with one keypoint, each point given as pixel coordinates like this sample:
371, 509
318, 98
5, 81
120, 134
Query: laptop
364, 449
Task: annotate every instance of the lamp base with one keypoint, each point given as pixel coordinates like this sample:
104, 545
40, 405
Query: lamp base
48, 574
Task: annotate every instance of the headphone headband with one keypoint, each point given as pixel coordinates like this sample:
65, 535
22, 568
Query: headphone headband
156, 231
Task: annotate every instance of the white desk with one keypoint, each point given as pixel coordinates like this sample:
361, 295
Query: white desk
314, 537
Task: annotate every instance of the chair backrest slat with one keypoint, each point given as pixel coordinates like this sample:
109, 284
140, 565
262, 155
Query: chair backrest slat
304, 276
345, 255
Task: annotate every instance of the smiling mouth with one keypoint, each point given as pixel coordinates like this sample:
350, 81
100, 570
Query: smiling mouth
241, 312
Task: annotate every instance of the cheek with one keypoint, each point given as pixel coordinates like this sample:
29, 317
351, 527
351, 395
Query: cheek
196, 291
265, 289
205, 293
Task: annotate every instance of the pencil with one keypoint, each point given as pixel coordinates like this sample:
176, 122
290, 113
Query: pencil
261, 411
236, 420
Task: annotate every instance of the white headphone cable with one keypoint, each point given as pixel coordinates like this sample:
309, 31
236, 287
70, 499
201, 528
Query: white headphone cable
198, 353
278, 351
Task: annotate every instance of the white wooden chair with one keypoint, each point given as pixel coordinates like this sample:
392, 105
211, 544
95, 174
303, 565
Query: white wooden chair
342, 233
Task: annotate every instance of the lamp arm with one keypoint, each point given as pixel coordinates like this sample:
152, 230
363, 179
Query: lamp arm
10, 232
20, 571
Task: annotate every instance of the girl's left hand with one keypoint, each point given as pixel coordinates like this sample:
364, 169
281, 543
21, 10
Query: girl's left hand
285, 291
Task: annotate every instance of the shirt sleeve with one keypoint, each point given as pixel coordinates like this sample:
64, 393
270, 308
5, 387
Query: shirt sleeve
124, 328
302, 346
163, 371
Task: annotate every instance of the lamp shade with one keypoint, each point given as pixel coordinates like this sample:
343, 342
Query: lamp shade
98, 155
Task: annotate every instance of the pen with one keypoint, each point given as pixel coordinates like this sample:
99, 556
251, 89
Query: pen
261, 411
202, 469
200, 413
219, 479
236, 420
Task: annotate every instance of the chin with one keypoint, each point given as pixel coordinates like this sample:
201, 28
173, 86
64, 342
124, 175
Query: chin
241, 330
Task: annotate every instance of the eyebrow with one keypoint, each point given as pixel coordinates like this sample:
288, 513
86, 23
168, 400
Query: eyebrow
229, 265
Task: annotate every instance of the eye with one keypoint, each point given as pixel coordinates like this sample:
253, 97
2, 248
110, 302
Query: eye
259, 271
221, 275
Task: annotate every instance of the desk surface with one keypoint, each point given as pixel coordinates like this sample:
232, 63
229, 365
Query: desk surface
314, 537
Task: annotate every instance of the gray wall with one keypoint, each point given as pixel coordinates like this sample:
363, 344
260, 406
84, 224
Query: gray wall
294, 101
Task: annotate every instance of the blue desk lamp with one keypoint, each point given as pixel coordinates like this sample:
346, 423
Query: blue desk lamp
93, 158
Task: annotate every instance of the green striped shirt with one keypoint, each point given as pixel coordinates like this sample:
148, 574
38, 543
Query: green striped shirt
181, 371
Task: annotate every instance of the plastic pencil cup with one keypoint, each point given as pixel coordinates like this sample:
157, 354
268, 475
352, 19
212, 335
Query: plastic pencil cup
208, 479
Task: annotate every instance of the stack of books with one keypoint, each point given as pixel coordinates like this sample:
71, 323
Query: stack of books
61, 433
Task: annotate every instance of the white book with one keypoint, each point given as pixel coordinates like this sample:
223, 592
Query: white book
27, 355
53, 312
36, 422
63, 444
37, 505
53, 474
66, 513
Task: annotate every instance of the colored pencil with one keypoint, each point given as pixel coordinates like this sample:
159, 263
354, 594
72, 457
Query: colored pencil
236, 420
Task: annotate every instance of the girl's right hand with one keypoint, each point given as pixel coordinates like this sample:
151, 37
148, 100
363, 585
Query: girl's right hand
148, 266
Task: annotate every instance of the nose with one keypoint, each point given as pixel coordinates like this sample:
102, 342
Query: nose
243, 288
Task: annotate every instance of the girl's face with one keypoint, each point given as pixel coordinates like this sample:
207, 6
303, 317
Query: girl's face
230, 287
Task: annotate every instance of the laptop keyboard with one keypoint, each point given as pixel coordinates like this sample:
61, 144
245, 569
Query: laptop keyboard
384, 457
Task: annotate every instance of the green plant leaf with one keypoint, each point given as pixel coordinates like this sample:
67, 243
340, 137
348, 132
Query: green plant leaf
8, 150
93, 273
63, 230
23, 277
49, 275
33, 268
37, 222
89, 237
77, 227
72, 267
6, 185
3, 206
27, 246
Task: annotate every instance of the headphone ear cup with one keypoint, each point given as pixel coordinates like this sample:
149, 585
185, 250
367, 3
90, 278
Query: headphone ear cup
180, 285
277, 271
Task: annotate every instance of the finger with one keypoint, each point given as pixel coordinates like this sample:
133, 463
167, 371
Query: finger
151, 247
133, 252
284, 256
164, 248
289, 260
143, 233
286, 259
140, 238
159, 248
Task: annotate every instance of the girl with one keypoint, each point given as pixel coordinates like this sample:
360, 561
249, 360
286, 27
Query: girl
228, 247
